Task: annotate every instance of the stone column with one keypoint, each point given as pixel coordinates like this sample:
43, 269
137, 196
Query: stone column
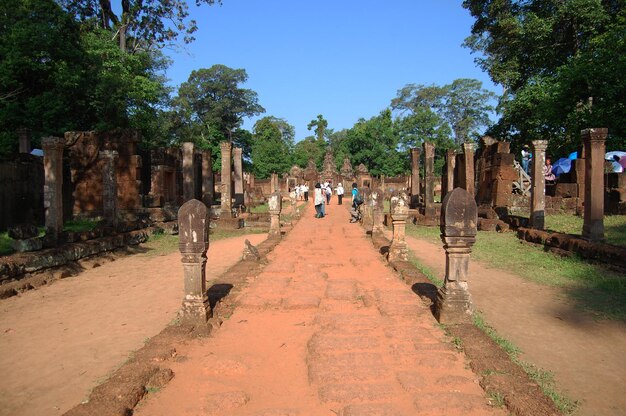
227, 203
415, 177
468, 165
208, 184
458, 233
367, 214
193, 229
23, 136
594, 144
538, 185
294, 204
238, 171
398, 249
275, 202
188, 172
378, 207
450, 165
53, 184
274, 186
429, 180
109, 187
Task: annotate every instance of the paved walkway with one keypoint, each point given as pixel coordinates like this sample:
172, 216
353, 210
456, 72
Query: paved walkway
326, 329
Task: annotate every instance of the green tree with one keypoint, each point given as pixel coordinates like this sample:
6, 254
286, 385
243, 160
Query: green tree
272, 142
561, 63
320, 126
306, 149
139, 24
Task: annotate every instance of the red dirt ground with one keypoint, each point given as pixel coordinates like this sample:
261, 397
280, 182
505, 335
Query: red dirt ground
586, 356
61, 340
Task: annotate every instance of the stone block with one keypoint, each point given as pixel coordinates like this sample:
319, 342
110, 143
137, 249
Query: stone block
487, 212
616, 180
566, 190
487, 225
152, 201
577, 172
23, 231
502, 199
28, 244
507, 173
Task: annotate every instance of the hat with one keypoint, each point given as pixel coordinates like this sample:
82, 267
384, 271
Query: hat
339, 184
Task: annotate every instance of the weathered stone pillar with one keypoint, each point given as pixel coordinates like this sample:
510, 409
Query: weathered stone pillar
378, 207
238, 173
53, 184
594, 144
274, 185
429, 180
193, 229
415, 177
450, 165
468, 165
398, 249
367, 215
23, 136
458, 233
538, 185
275, 202
109, 186
294, 204
208, 184
226, 186
188, 172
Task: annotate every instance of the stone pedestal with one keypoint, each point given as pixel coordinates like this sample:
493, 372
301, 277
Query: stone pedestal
398, 249
238, 176
429, 180
367, 214
468, 165
226, 186
188, 172
294, 204
458, 233
378, 207
538, 185
53, 184
275, 202
594, 147
208, 184
23, 136
415, 177
109, 187
448, 184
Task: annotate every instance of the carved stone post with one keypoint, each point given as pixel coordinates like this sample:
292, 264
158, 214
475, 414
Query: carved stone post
294, 204
378, 204
188, 172
109, 186
208, 184
53, 184
398, 249
468, 165
538, 185
458, 233
450, 165
367, 215
415, 177
238, 176
226, 188
429, 180
274, 185
594, 144
275, 202
23, 135
193, 229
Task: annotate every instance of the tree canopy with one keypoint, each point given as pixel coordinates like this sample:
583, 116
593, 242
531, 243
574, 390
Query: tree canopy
272, 143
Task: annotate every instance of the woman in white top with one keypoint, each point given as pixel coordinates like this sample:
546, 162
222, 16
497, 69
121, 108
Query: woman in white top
318, 200
340, 192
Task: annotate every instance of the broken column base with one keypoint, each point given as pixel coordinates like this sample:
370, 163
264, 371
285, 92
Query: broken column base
195, 311
398, 251
453, 305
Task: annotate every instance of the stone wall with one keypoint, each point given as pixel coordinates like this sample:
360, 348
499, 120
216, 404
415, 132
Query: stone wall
21, 191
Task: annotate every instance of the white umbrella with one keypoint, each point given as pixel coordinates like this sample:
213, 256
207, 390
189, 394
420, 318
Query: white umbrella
609, 155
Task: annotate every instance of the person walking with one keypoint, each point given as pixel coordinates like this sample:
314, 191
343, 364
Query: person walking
305, 191
318, 200
340, 192
329, 193
526, 156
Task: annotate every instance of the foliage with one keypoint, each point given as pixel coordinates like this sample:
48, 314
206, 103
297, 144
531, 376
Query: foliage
461, 107
306, 149
80, 225
5, 244
139, 24
560, 63
271, 147
320, 125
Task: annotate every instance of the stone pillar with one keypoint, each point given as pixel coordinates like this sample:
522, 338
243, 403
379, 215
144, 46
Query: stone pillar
294, 204
450, 165
193, 229
238, 175
415, 177
367, 214
538, 185
23, 136
227, 203
378, 207
429, 180
53, 184
275, 202
398, 249
274, 185
594, 144
458, 233
188, 172
468, 165
208, 184
109, 187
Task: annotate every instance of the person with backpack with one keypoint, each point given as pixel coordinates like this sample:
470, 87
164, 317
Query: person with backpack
318, 200
357, 200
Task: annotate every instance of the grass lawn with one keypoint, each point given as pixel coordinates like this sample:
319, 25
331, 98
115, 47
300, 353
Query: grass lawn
260, 209
594, 287
614, 226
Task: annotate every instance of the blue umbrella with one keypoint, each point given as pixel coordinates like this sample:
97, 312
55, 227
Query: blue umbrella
563, 165
573, 155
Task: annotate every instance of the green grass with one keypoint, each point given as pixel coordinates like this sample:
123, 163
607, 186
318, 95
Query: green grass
260, 209
5, 244
79, 226
614, 226
425, 270
597, 289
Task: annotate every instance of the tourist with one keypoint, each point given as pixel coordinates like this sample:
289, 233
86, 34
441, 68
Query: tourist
526, 156
329, 192
357, 200
305, 191
318, 200
340, 192
297, 190
547, 170
621, 160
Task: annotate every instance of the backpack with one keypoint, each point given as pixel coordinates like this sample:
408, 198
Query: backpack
358, 199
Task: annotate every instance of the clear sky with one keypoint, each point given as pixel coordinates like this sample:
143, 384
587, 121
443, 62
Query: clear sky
344, 59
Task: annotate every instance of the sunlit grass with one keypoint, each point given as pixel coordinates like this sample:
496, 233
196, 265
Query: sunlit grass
614, 226
260, 209
5, 244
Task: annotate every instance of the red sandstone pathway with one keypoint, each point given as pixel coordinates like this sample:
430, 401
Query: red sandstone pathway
60, 341
587, 356
325, 329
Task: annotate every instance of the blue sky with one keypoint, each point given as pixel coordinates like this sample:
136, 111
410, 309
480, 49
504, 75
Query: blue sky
344, 59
